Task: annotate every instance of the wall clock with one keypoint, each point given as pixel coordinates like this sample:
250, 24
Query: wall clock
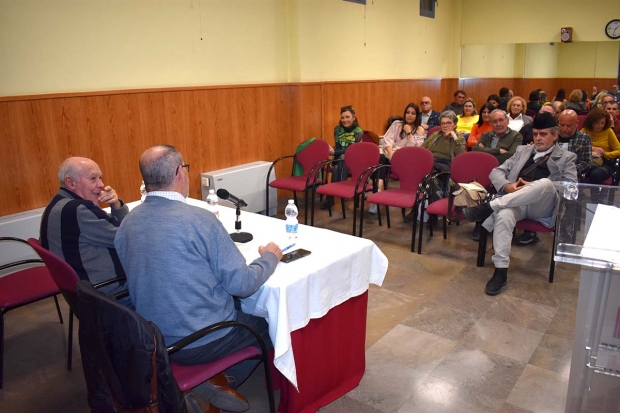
612, 29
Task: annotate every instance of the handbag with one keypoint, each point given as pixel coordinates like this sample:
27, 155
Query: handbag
469, 195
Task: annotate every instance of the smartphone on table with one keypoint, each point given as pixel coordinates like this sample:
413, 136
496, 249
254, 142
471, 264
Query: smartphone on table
295, 255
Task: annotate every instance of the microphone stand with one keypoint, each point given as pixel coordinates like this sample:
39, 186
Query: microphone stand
241, 237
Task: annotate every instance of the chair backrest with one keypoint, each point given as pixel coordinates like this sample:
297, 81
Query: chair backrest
433, 130
580, 120
360, 156
468, 166
62, 273
316, 151
411, 164
370, 136
117, 347
530, 113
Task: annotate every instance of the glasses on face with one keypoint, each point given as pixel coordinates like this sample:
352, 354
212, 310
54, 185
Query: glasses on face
447, 123
425, 102
185, 165
497, 121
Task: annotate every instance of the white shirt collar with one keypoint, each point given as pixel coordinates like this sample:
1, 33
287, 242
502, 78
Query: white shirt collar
538, 155
171, 195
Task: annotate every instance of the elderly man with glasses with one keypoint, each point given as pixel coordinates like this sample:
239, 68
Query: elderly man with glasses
75, 228
501, 142
429, 117
184, 271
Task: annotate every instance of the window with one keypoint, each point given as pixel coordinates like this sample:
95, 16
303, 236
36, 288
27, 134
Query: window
427, 8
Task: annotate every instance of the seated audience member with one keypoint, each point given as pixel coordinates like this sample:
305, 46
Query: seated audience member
594, 93
346, 133
444, 144
75, 228
543, 97
585, 100
608, 98
468, 119
560, 96
598, 101
605, 146
457, 105
572, 140
493, 100
558, 106
534, 104
526, 130
574, 101
501, 142
516, 114
483, 125
526, 187
503, 99
612, 109
401, 133
184, 270
429, 118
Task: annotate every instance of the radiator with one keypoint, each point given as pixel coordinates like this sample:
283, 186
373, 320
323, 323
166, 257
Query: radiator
23, 225
244, 181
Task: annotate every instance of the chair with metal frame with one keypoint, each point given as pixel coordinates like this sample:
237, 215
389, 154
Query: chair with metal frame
22, 287
66, 280
109, 363
311, 160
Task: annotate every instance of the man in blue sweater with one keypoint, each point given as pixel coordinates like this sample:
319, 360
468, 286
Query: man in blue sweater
183, 271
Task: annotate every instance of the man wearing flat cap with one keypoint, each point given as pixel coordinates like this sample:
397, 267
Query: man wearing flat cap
526, 190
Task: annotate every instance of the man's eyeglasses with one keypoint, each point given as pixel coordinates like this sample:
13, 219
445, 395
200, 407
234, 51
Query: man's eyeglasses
185, 165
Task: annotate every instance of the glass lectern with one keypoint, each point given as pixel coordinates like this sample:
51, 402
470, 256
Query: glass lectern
588, 234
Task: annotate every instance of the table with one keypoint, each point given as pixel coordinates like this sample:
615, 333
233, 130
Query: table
316, 307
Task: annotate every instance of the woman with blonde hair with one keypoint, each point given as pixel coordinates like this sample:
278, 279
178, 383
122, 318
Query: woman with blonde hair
575, 101
516, 113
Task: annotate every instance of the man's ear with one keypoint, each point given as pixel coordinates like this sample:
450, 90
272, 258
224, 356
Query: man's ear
69, 182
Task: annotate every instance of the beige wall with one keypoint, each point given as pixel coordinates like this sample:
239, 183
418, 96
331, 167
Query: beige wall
494, 60
536, 21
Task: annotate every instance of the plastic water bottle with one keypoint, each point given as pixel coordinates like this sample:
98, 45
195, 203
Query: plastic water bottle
212, 203
291, 219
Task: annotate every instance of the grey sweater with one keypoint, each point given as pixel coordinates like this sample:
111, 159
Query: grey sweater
183, 269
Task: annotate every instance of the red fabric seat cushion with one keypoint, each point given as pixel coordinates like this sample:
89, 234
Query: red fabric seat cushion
394, 197
343, 189
26, 286
529, 225
440, 207
189, 376
292, 183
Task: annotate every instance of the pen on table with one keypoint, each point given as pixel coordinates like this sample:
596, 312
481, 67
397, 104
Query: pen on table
288, 248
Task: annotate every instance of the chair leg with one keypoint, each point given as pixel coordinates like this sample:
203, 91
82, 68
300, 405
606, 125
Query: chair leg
295, 198
355, 204
312, 210
267, 200
387, 216
70, 351
422, 209
415, 226
482, 247
552, 265
58, 309
445, 227
344, 212
362, 216
306, 206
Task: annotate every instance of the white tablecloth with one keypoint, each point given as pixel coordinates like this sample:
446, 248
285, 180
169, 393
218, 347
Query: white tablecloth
340, 267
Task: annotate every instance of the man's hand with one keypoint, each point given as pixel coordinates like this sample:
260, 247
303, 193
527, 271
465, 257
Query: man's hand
109, 196
502, 151
510, 188
481, 145
271, 247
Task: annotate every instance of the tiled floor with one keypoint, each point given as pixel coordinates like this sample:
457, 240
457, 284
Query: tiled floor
435, 341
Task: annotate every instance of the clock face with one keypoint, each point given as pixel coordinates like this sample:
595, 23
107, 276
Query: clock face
612, 30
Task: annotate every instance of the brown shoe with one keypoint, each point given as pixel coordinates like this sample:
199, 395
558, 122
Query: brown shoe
197, 404
218, 392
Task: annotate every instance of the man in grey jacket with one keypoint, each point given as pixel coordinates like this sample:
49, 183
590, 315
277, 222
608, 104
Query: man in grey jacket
77, 230
525, 185
184, 271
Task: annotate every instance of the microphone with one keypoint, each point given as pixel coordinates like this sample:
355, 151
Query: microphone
225, 195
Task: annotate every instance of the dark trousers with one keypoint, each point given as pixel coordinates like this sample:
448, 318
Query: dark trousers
598, 174
237, 339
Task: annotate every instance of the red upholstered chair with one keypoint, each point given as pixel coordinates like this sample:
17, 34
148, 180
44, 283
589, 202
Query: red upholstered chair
110, 361
360, 159
433, 130
465, 167
531, 113
413, 165
370, 137
311, 158
580, 120
526, 225
23, 287
66, 279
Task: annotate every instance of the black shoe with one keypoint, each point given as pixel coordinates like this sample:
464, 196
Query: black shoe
329, 202
478, 213
498, 282
527, 238
475, 235
409, 218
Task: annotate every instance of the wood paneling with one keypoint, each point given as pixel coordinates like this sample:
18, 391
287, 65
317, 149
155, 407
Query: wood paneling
213, 127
